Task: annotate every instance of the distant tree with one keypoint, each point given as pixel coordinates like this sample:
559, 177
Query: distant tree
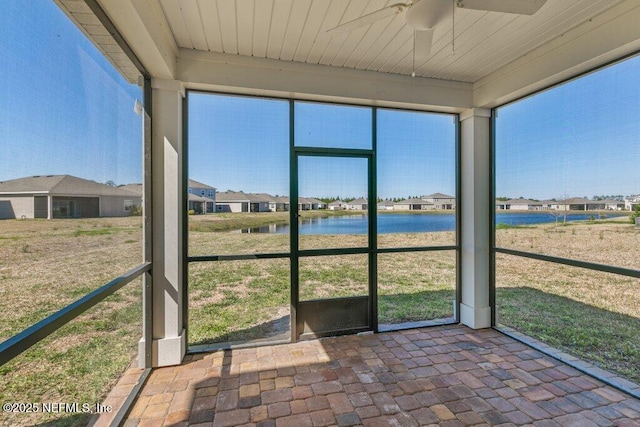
110, 183
502, 198
328, 200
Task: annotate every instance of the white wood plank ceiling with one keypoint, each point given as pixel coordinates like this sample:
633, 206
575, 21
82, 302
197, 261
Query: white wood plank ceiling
84, 18
295, 30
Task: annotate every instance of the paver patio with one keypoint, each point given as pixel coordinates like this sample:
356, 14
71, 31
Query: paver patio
447, 376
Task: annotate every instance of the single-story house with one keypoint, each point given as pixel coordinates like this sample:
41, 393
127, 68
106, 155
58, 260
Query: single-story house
317, 204
281, 204
63, 196
304, 204
414, 204
546, 204
359, 204
261, 202
612, 205
441, 201
523, 205
337, 205
201, 198
232, 201
386, 205
580, 204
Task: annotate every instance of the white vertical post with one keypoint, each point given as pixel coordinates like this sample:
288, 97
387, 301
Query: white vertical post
169, 338
475, 144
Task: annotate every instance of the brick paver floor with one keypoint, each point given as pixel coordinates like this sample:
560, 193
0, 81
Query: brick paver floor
447, 376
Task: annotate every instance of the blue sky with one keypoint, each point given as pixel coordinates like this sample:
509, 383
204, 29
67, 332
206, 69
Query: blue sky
578, 139
242, 143
65, 110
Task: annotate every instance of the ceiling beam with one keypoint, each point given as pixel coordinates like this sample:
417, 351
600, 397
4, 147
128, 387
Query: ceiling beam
269, 77
143, 25
605, 38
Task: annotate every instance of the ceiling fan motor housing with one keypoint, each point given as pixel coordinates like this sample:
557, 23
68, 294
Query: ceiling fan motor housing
426, 14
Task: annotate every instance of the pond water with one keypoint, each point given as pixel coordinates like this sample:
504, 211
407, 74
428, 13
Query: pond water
411, 223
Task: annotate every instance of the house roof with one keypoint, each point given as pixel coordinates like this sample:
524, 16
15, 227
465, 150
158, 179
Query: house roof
196, 184
336, 203
261, 197
438, 196
521, 202
414, 201
61, 185
576, 201
232, 196
134, 188
316, 201
358, 201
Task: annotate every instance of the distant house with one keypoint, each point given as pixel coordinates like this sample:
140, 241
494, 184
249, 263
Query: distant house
520, 205
232, 201
283, 204
523, 205
580, 204
583, 204
502, 204
631, 202
612, 205
64, 196
359, 204
276, 203
260, 202
386, 205
441, 201
317, 204
546, 204
337, 205
198, 204
304, 204
414, 204
201, 198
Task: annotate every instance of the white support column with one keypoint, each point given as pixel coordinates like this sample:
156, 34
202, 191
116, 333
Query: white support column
169, 340
475, 167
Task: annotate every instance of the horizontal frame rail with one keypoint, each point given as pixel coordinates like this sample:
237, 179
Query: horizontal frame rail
572, 262
318, 252
242, 257
332, 152
417, 249
35, 333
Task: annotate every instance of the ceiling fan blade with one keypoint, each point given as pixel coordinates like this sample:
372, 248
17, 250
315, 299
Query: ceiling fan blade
370, 18
422, 46
522, 7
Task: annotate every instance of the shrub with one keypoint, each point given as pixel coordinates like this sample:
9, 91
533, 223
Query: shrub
192, 212
635, 214
136, 210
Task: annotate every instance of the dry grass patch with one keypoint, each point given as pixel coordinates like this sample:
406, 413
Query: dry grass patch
44, 266
611, 242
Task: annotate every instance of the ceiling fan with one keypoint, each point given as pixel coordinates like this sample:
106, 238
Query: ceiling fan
424, 15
